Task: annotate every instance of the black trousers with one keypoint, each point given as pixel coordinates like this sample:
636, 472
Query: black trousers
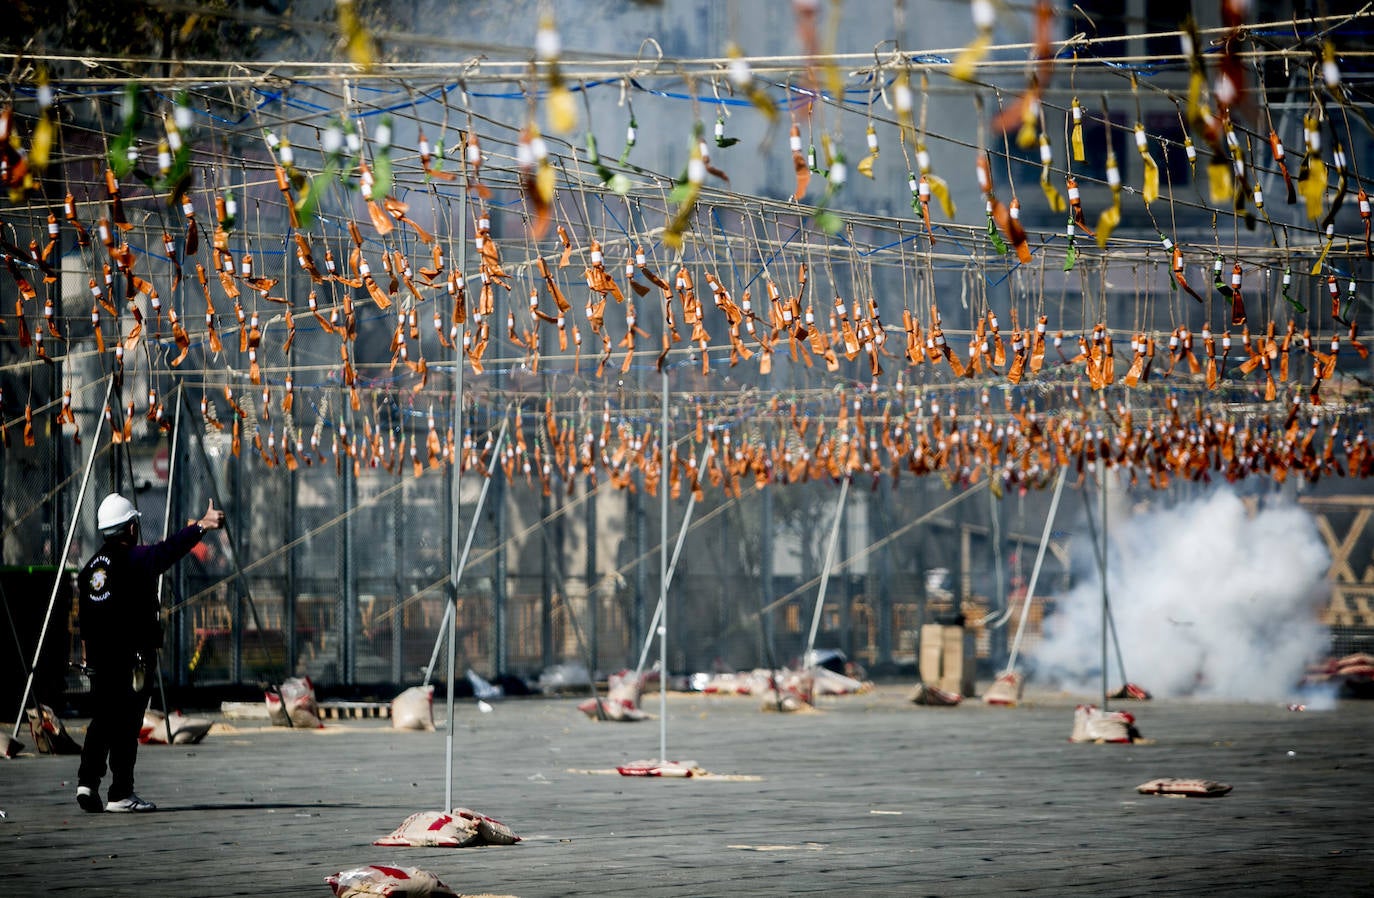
116, 719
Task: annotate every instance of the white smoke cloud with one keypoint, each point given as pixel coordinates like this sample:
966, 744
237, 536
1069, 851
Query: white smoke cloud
1208, 600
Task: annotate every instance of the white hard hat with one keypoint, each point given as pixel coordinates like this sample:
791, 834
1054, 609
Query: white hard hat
114, 512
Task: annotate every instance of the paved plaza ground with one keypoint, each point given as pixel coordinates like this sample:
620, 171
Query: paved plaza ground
869, 795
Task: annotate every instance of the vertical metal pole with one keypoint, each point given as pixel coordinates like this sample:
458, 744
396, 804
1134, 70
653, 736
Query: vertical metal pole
546, 651
455, 494
288, 606
348, 642
672, 566
825, 573
236, 610
766, 569
398, 525
1102, 496
663, 582
593, 582
288, 609
166, 532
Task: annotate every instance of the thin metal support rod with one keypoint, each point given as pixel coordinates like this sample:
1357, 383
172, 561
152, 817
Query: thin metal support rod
454, 497
1035, 571
664, 444
825, 573
672, 566
62, 561
463, 559
166, 532
1106, 608
1108, 619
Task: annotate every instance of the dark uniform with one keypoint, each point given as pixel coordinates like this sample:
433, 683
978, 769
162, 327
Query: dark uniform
119, 624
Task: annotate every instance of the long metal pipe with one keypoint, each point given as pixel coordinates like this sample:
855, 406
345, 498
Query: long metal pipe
825, 573
664, 444
672, 565
61, 562
1035, 571
455, 495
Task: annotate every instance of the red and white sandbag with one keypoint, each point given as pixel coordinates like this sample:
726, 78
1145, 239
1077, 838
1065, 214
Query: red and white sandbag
461, 828
301, 710
185, 730
397, 882
413, 709
624, 690
1091, 724
1184, 788
667, 769
1005, 690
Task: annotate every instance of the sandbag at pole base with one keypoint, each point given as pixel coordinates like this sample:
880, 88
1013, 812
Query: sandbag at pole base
1005, 691
293, 705
460, 828
665, 769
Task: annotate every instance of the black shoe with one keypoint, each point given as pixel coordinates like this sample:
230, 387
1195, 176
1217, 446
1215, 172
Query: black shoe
89, 799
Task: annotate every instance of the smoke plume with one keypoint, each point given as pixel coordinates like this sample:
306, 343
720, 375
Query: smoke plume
1208, 600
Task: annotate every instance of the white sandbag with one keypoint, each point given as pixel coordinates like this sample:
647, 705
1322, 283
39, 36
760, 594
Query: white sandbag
1091, 724
397, 882
185, 730
432, 829
413, 709
827, 682
725, 684
461, 828
298, 695
1005, 690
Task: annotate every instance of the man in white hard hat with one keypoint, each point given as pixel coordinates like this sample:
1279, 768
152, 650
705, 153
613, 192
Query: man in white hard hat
122, 633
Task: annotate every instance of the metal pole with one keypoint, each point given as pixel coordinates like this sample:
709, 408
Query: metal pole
1102, 495
463, 559
166, 532
663, 582
1035, 571
825, 572
455, 493
672, 565
62, 561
